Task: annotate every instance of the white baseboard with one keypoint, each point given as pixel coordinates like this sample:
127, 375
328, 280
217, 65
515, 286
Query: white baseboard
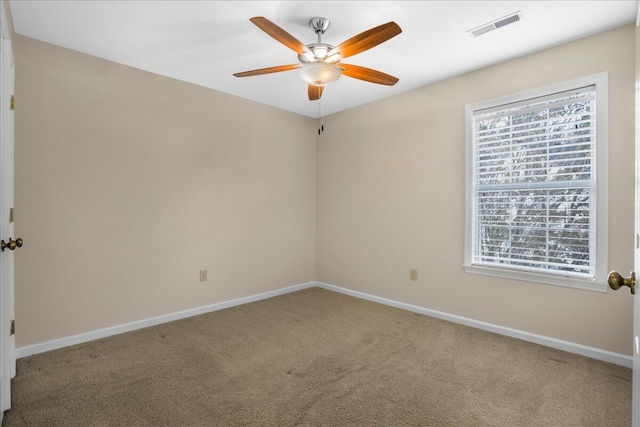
583, 350
595, 353
127, 327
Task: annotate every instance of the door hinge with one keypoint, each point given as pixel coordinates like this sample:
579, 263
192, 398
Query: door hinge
13, 102
13, 327
11, 214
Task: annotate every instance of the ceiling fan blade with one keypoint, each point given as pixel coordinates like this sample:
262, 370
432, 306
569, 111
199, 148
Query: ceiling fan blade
367, 74
367, 40
279, 34
268, 70
315, 92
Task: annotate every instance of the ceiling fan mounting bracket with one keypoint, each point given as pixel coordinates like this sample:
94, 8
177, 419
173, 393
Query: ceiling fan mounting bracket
319, 24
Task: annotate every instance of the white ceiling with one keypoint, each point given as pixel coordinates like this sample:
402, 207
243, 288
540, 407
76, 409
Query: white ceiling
205, 42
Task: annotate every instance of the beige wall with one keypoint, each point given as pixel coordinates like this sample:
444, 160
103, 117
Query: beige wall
128, 183
391, 197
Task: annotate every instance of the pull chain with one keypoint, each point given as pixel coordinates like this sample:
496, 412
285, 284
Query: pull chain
321, 110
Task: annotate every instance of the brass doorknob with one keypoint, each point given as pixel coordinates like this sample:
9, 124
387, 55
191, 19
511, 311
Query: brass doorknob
616, 281
12, 245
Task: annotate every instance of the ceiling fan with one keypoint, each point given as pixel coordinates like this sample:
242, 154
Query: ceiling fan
320, 62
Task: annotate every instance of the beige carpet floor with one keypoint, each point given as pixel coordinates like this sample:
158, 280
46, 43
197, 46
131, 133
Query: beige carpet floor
316, 358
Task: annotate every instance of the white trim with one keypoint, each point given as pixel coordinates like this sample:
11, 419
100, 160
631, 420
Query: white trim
4, 23
127, 327
600, 81
583, 350
546, 279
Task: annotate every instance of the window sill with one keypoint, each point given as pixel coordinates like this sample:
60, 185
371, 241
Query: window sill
568, 282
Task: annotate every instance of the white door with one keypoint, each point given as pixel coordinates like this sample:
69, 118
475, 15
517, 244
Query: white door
6, 193
7, 343
8, 83
615, 280
636, 258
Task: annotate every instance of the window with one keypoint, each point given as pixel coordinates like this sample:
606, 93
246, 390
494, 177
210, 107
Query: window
536, 185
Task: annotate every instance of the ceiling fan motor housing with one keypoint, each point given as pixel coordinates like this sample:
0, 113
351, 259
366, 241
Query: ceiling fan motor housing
319, 52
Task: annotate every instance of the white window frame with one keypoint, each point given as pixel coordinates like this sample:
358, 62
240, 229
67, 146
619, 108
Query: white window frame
599, 283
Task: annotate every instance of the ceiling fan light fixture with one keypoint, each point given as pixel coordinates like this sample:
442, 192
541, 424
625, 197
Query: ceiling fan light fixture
319, 73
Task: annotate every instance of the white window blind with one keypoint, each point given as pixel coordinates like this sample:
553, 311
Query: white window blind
533, 184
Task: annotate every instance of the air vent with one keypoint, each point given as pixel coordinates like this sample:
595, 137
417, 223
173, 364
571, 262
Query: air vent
494, 25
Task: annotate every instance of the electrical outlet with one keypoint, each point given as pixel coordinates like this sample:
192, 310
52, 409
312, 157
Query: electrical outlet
413, 274
203, 275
